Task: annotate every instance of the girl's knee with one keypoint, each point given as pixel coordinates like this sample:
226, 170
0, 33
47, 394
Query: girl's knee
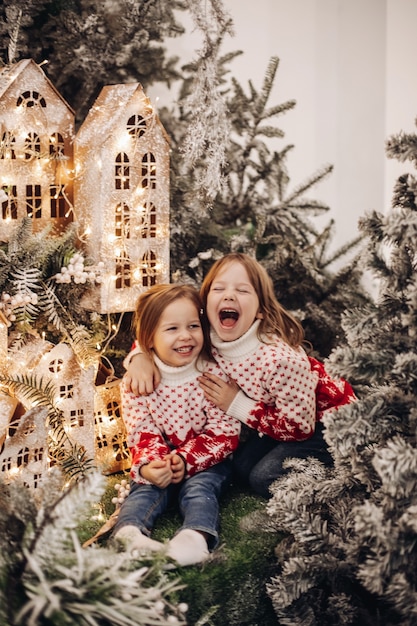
260, 483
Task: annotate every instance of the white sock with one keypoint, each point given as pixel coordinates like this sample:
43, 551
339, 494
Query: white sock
188, 547
136, 542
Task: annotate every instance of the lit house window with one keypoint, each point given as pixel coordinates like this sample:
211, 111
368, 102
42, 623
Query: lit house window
8, 146
136, 126
122, 221
34, 201
76, 418
148, 223
30, 99
9, 206
32, 146
22, 457
122, 172
59, 205
66, 391
148, 271
123, 271
148, 171
56, 145
113, 410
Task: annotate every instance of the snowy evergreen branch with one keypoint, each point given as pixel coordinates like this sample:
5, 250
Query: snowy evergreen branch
47, 578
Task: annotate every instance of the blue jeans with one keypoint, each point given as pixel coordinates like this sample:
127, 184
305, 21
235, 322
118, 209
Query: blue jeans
258, 461
198, 499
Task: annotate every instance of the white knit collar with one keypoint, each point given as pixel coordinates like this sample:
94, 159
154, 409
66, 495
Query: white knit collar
178, 375
244, 346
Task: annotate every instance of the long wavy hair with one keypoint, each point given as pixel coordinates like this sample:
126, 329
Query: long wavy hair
276, 320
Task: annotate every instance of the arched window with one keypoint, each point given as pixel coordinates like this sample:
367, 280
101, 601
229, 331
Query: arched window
148, 269
113, 410
120, 449
37, 454
56, 145
6, 464
148, 171
122, 172
122, 221
148, 222
136, 126
22, 457
31, 99
32, 146
123, 271
8, 146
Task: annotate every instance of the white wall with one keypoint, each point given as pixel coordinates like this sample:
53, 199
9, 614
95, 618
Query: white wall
349, 64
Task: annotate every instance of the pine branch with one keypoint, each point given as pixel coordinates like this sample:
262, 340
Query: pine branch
40, 393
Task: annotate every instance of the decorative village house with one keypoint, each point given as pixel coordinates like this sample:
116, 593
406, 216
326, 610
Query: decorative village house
36, 150
122, 195
91, 412
112, 179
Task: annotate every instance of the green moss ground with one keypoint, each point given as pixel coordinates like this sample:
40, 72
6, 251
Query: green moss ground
229, 590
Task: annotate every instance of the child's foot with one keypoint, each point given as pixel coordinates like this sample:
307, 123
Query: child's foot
188, 547
136, 542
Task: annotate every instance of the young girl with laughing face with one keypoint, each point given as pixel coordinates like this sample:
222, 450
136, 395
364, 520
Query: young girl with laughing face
273, 387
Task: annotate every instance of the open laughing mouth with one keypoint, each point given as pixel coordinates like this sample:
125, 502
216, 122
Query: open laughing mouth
228, 317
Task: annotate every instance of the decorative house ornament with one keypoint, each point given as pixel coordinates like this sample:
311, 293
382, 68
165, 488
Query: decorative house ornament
122, 196
36, 150
92, 415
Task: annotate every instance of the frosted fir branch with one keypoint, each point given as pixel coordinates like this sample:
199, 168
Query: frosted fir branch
14, 17
209, 129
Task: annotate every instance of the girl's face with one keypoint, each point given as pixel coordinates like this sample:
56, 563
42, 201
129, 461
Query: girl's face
178, 337
232, 302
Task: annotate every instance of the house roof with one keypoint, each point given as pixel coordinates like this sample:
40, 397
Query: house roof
114, 99
9, 73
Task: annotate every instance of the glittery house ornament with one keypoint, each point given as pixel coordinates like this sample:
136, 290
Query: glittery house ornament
121, 193
36, 150
92, 415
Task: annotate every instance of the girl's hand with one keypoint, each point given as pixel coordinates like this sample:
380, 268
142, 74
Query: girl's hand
158, 472
177, 468
218, 391
142, 375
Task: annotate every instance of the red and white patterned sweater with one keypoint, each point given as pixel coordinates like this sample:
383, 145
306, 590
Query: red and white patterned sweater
283, 391
176, 416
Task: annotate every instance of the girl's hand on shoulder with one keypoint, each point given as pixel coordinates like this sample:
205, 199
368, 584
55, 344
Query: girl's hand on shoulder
220, 392
142, 375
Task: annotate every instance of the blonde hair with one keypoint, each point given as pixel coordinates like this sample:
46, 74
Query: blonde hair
276, 320
153, 302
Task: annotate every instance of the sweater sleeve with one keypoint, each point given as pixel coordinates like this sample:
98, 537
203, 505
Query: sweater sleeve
144, 439
289, 413
218, 439
331, 393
